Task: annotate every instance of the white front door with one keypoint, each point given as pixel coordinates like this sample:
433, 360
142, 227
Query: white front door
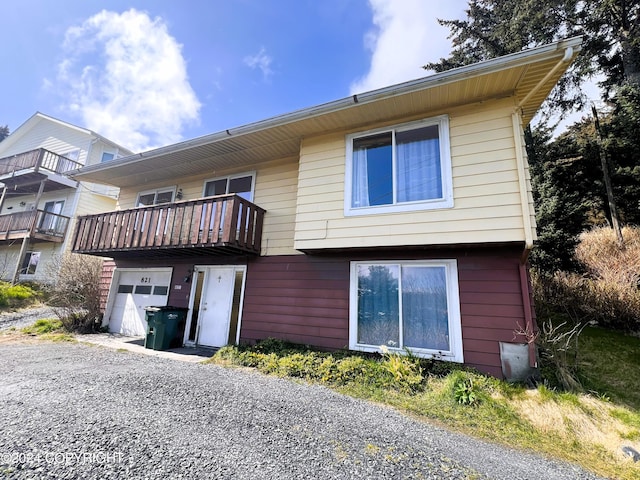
215, 306
135, 290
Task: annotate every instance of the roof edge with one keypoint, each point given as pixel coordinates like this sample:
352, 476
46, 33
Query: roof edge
495, 64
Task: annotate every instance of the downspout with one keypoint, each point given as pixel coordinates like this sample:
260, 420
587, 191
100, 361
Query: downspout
524, 202
528, 235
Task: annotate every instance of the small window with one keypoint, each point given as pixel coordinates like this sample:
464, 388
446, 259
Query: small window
107, 156
143, 289
155, 197
160, 290
406, 305
72, 155
242, 185
30, 263
125, 288
403, 168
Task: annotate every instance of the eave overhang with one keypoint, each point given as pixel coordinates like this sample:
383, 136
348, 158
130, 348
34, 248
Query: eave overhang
526, 76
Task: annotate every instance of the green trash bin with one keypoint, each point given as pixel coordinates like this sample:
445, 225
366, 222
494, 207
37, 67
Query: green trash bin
162, 326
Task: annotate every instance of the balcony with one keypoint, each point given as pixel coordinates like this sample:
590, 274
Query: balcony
22, 173
221, 225
37, 225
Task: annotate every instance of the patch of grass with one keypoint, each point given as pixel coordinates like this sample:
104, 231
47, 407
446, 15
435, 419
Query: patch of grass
50, 329
42, 326
58, 337
609, 365
574, 427
17, 296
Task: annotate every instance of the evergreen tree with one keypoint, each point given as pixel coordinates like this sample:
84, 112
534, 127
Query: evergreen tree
4, 132
610, 30
566, 173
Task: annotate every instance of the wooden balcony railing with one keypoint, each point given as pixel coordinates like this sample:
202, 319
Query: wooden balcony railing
39, 159
225, 224
37, 224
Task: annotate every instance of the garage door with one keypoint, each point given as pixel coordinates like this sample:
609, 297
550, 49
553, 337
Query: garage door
135, 290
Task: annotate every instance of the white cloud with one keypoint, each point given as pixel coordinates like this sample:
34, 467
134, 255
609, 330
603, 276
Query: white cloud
125, 76
260, 60
406, 35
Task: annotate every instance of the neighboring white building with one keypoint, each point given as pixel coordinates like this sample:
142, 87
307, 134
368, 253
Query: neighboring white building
38, 202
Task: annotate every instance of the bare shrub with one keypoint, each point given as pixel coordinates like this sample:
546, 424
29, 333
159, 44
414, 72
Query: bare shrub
599, 252
74, 293
585, 300
558, 347
608, 294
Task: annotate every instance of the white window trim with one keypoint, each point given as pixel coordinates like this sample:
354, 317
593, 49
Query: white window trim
445, 166
73, 153
251, 174
102, 160
156, 191
455, 354
29, 253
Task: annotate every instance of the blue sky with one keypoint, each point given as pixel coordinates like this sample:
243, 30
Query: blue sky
147, 73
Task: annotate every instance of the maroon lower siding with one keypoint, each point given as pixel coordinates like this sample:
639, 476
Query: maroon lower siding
108, 266
299, 298
305, 298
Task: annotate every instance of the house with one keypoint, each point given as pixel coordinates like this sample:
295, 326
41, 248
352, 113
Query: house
399, 217
39, 202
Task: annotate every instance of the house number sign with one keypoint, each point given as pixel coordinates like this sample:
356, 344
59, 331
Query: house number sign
145, 280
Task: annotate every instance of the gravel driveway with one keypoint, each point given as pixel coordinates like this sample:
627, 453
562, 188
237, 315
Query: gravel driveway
25, 317
79, 411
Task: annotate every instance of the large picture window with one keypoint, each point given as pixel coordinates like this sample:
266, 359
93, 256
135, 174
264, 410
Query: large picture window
403, 168
401, 305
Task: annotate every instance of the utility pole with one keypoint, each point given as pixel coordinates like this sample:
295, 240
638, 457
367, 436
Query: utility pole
615, 221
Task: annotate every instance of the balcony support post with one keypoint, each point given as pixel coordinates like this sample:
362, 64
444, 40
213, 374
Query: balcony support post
25, 240
2, 198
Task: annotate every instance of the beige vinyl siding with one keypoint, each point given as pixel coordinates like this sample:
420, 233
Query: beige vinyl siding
99, 147
275, 191
90, 203
485, 189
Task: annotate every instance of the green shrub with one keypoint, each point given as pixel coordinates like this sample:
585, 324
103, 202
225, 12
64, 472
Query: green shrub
465, 392
277, 346
467, 388
304, 365
351, 369
405, 371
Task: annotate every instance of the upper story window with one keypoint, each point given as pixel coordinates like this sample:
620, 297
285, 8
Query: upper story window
241, 185
155, 197
72, 155
403, 168
107, 156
